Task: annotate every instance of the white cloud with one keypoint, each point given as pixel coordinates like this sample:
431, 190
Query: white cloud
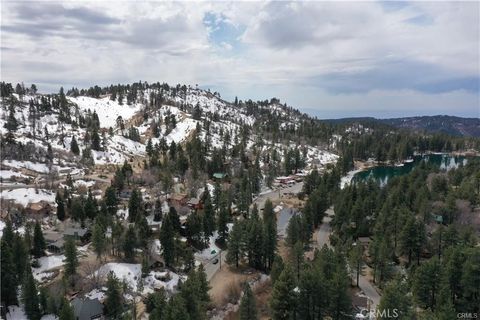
285, 48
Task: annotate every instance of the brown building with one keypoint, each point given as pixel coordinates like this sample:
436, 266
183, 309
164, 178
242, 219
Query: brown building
37, 209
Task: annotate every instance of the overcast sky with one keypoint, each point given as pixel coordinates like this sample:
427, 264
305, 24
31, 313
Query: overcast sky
331, 59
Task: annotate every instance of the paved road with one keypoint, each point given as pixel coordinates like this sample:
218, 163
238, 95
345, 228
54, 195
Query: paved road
211, 269
323, 238
325, 229
62, 180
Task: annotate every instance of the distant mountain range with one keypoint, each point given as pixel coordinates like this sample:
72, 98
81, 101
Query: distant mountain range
457, 126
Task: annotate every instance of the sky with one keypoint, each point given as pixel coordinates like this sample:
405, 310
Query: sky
329, 59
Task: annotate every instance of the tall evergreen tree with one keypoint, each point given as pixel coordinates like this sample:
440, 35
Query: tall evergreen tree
248, 308
39, 244
113, 300
71, 258
129, 244
167, 240
8, 275
283, 300
30, 297
98, 239
223, 216
134, 205
235, 249
74, 146
66, 312
208, 219
395, 297
60, 206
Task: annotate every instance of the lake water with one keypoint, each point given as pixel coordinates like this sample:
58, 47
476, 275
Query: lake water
382, 174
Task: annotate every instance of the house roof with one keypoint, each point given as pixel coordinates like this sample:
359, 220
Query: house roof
219, 175
194, 201
75, 231
87, 309
37, 206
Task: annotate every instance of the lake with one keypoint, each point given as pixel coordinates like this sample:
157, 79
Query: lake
382, 174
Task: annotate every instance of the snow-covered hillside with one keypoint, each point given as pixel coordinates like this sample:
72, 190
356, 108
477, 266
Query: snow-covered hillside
46, 127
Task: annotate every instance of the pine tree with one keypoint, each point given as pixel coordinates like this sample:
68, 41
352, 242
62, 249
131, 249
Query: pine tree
270, 241
98, 239
248, 308
111, 200
167, 241
356, 261
95, 143
90, 206
283, 299
39, 245
66, 312
30, 297
77, 211
12, 124
21, 257
71, 258
143, 231
208, 219
74, 146
60, 206
222, 224
235, 244
8, 275
277, 268
113, 300
149, 147
426, 282
176, 309
395, 297
134, 205
129, 244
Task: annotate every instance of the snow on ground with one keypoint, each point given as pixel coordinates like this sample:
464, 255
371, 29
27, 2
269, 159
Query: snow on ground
319, 156
78, 183
122, 213
127, 272
347, 179
107, 110
24, 196
211, 251
2, 226
16, 313
37, 167
46, 264
182, 130
8, 174
97, 294
155, 280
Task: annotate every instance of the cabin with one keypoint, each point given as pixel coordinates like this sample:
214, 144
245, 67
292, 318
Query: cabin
194, 203
54, 240
39, 209
87, 309
78, 234
178, 199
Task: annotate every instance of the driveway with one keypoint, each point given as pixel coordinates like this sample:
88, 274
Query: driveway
323, 238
